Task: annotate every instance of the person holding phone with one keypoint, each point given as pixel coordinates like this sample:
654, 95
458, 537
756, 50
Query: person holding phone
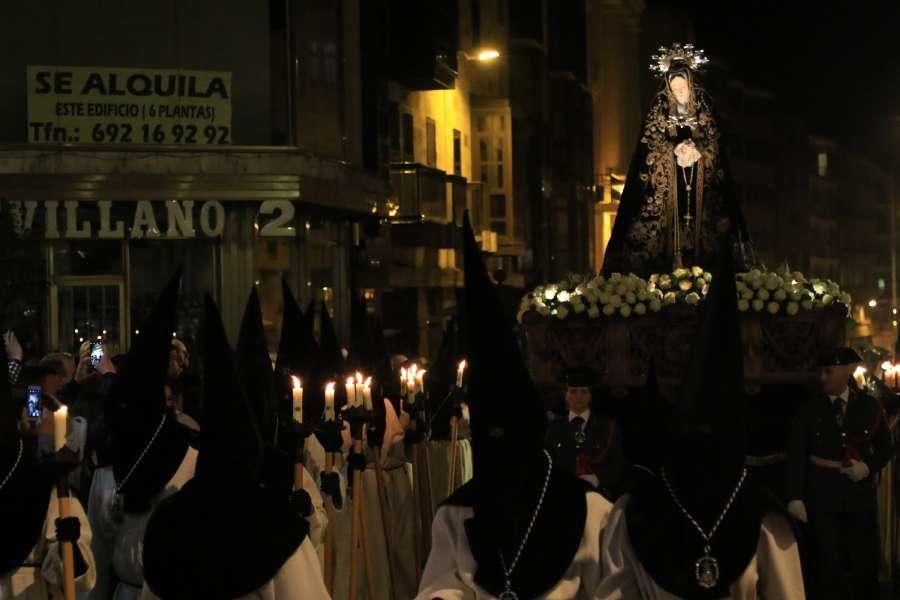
30, 551
14, 354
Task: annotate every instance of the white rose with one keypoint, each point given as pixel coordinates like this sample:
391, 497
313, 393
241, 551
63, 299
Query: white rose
579, 308
640, 308
615, 277
563, 296
685, 284
795, 296
625, 310
740, 285
609, 310
755, 282
604, 298
550, 293
696, 271
700, 283
773, 308
780, 295
792, 308
763, 294
543, 310
681, 273
758, 305
576, 299
807, 304
665, 282
747, 294
670, 298
562, 312
621, 289
692, 298
743, 305
593, 312
827, 299
642, 296
773, 282
819, 287
754, 273
630, 298
615, 300
846, 299
577, 278
655, 305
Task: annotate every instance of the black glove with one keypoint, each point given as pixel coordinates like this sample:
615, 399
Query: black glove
357, 461
301, 503
331, 485
68, 529
329, 435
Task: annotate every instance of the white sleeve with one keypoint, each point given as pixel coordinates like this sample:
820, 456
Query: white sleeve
318, 520
618, 580
441, 577
778, 560
299, 577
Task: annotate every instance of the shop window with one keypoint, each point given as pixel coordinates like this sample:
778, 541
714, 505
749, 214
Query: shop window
430, 142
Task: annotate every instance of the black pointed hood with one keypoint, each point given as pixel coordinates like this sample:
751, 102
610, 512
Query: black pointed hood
255, 367
361, 351
441, 379
140, 422
704, 460
504, 404
230, 446
508, 423
298, 347
194, 547
331, 361
644, 425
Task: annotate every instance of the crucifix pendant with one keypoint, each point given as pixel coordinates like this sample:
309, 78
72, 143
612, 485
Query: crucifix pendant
706, 570
508, 594
688, 187
117, 507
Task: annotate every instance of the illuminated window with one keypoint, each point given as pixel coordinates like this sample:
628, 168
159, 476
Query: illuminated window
823, 164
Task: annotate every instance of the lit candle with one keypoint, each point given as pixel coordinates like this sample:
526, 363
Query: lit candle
360, 389
860, 376
403, 378
420, 382
297, 394
460, 370
411, 385
60, 423
329, 402
350, 386
367, 394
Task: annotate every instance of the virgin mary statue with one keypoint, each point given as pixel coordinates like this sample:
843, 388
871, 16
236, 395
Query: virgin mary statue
679, 195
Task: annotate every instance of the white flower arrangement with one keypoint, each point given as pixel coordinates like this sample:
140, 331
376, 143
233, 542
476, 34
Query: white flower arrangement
627, 296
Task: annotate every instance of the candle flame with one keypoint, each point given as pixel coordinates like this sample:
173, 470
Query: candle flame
462, 366
298, 385
859, 371
368, 382
359, 378
886, 365
329, 387
350, 381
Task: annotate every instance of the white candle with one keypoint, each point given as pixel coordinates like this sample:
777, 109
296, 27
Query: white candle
60, 423
403, 378
350, 386
367, 394
360, 390
860, 376
329, 402
460, 370
297, 395
420, 382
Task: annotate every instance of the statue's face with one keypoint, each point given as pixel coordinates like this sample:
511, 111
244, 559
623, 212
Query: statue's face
680, 89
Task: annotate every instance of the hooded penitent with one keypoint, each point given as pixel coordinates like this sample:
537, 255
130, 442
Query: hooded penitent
330, 363
297, 348
271, 411
508, 424
136, 410
704, 463
441, 379
25, 496
222, 535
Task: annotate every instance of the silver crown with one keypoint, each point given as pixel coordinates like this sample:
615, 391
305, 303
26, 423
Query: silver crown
692, 58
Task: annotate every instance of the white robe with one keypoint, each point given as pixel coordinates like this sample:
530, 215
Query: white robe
299, 577
450, 571
27, 583
773, 574
118, 546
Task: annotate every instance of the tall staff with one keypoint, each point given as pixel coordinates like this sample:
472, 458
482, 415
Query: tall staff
60, 424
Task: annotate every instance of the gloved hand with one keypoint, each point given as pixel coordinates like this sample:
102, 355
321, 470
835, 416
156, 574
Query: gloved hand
301, 503
331, 485
797, 509
68, 529
857, 471
356, 461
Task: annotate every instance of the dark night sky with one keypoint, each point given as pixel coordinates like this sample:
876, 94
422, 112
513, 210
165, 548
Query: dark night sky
834, 63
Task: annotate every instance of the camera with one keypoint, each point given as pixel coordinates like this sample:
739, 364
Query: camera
96, 353
33, 404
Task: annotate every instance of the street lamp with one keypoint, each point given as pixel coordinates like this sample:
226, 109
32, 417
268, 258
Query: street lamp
483, 55
873, 303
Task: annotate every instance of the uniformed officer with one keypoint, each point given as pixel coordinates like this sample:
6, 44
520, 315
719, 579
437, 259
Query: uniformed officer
583, 441
839, 442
